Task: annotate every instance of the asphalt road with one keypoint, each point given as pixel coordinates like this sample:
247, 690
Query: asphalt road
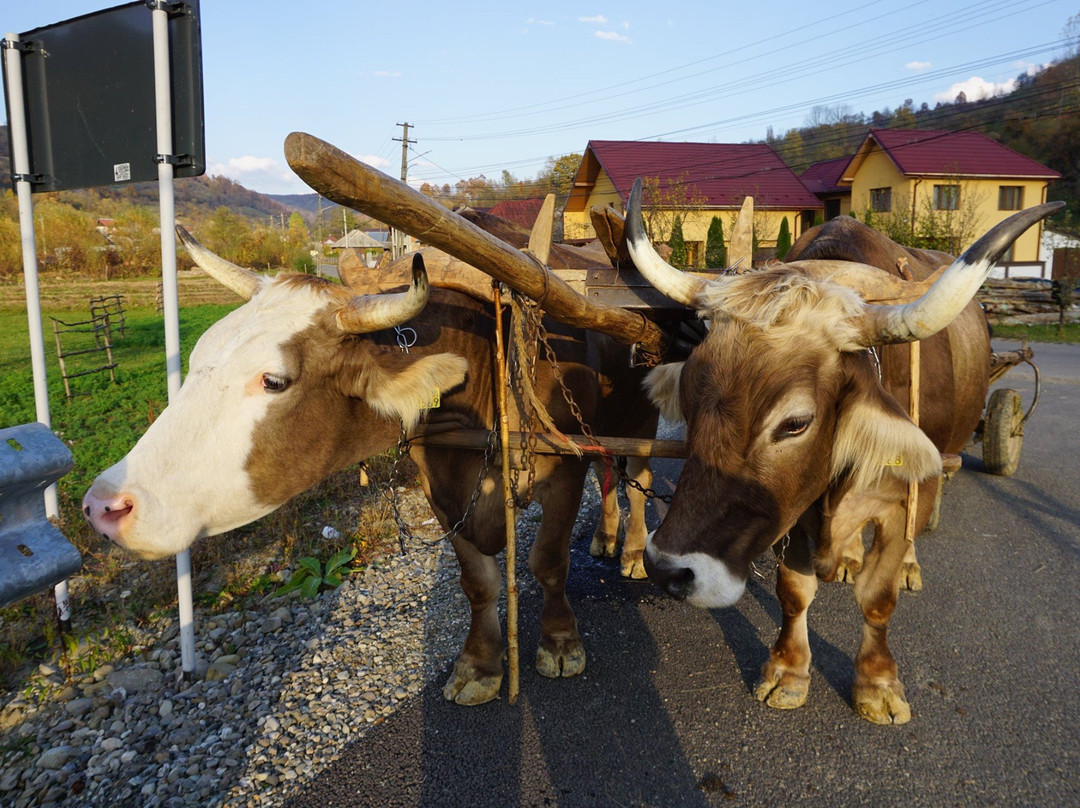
989, 653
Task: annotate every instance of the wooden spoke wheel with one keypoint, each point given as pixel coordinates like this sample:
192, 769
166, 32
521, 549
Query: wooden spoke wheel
1003, 432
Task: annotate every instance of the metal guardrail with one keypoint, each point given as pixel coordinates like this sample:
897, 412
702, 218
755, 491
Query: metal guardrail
34, 555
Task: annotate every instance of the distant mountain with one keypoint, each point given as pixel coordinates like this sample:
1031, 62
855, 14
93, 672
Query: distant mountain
304, 203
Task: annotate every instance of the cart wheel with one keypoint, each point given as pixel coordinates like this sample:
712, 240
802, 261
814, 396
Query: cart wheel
1003, 434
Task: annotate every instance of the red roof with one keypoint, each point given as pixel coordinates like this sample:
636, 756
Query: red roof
966, 154
521, 212
824, 177
724, 173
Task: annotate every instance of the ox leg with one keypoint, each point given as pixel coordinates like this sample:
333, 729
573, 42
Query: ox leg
607, 531
478, 672
877, 694
785, 679
561, 652
632, 562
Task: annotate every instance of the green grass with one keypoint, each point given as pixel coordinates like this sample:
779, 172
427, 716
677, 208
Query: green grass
117, 599
1070, 332
103, 420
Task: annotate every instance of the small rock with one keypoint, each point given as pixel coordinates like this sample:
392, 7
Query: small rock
54, 758
135, 680
79, 707
165, 709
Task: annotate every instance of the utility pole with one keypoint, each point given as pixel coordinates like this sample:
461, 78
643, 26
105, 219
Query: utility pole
398, 236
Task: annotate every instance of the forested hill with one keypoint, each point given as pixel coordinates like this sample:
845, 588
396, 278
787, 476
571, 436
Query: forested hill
195, 196
1040, 118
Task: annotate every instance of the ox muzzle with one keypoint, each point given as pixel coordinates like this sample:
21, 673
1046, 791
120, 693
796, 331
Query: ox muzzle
699, 579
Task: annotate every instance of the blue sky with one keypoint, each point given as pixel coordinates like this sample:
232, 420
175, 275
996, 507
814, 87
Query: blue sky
489, 86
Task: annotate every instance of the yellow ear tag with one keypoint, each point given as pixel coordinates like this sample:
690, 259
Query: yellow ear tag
896, 461
435, 402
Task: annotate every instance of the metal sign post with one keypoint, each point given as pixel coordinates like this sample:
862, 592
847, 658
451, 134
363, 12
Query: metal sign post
83, 120
170, 294
20, 157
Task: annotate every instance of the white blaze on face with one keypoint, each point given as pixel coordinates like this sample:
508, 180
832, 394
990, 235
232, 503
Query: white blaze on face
185, 478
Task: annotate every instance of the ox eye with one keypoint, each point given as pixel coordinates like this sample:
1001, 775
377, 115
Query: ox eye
790, 427
274, 384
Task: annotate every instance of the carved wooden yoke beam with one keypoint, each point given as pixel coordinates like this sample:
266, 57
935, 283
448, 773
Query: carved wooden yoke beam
345, 180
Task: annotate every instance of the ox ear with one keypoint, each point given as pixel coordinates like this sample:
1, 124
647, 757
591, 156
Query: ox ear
662, 385
403, 386
875, 437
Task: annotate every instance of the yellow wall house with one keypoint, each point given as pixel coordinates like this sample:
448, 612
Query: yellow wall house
695, 181
945, 189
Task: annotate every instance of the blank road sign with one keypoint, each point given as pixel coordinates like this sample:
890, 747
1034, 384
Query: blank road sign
89, 95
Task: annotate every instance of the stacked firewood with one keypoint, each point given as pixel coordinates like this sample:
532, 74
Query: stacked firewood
1025, 301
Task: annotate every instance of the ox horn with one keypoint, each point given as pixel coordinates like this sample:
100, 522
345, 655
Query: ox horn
368, 313
944, 301
682, 287
242, 281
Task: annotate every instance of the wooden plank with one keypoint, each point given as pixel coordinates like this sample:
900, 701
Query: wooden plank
548, 444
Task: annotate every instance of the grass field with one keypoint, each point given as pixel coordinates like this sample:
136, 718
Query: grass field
116, 595
1039, 333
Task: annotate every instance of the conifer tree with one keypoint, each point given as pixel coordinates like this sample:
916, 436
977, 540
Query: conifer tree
677, 244
715, 250
783, 240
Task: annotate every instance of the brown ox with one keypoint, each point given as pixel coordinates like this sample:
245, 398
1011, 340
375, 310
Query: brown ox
307, 378
795, 442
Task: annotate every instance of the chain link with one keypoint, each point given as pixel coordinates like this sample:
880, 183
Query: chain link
390, 492
608, 457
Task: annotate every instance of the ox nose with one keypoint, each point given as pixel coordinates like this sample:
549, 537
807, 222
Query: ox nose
677, 581
108, 515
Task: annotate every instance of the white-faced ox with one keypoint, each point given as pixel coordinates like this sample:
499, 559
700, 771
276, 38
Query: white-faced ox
306, 379
795, 442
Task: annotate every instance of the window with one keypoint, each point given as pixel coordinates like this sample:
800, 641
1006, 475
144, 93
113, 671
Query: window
946, 197
1010, 197
881, 200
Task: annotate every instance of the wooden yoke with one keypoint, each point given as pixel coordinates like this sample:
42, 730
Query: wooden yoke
345, 180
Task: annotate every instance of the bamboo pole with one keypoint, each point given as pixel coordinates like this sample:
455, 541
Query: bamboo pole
511, 516
914, 361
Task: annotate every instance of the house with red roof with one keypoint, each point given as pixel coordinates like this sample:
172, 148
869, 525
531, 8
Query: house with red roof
522, 212
965, 182
698, 181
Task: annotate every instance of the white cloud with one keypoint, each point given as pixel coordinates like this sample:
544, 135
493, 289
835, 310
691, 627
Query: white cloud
535, 21
263, 174
390, 74
373, 160
976, 89
599, 19
918, 65
612, 36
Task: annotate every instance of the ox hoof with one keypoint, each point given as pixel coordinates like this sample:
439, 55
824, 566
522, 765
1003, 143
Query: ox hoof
882, 704
468, 687
911, 577
633, 565
783, 690
847, 570
564, 659
603, 546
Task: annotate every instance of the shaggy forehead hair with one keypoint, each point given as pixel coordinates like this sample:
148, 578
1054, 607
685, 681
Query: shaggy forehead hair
784, 305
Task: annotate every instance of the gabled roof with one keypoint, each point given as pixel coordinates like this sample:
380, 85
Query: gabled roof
723, 173
358, 239
940, 153
521, 212
824, 177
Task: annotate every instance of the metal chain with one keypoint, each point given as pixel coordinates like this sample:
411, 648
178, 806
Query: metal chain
390, 492
526, 313
608, 457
